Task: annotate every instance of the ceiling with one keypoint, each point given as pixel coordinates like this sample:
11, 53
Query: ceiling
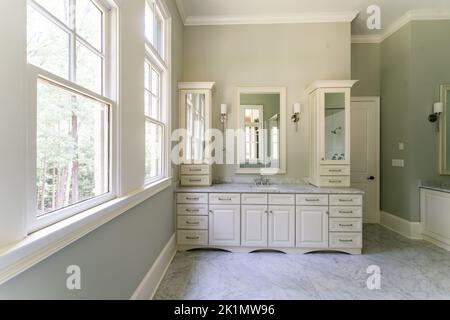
210, 12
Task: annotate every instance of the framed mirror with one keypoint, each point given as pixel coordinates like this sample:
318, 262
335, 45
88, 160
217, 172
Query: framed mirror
444, 132
262, 130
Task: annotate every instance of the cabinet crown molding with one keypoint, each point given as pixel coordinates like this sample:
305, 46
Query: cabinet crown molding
196, 85
330, 84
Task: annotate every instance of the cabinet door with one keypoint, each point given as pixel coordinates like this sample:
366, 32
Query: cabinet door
281, 226
224, 225
312, 227
254, 226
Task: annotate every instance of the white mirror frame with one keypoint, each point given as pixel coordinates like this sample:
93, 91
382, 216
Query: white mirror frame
443, 170
265, 90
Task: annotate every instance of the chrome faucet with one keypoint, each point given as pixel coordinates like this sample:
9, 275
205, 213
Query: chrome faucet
261, 181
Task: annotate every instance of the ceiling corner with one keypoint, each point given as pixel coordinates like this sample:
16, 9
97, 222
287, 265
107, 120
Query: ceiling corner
181, 10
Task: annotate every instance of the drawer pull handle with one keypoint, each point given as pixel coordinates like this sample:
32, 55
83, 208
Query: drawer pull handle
192, 210
335, 170
345, 225
345, 240
346, 200
192, 238
335, 181
195, 180
224, 199
346, 212
195, 170
312, 200
192, 199
192, 223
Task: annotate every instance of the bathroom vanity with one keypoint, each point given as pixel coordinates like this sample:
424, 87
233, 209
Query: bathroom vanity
288, 218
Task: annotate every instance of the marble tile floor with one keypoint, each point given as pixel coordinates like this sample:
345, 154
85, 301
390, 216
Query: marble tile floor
409, 270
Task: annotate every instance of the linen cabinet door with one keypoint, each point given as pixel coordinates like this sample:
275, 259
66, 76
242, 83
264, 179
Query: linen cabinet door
254, 226
312, 227
224, 225
281, 226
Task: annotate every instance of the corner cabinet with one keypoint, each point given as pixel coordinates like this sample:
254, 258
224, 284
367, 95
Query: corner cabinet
329, 110
195, 117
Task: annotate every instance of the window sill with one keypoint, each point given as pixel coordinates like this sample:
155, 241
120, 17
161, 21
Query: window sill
38, 246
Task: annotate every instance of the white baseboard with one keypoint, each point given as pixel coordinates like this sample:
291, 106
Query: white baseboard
411, 230
147, 288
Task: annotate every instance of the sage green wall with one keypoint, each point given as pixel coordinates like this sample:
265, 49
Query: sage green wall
414, 63
115, 257
290, 55
366, 69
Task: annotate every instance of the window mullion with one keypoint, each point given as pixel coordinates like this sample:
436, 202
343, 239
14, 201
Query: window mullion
73, 41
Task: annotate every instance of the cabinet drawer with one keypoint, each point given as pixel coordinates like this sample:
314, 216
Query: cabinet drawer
282, 199
192, 210
202, 169
346, 212
192, 222
312, 200
224, 198
345, 240
346, 200
346, 224
192, 198
335, 182
254, 198
195, 180
334, 170
194, 237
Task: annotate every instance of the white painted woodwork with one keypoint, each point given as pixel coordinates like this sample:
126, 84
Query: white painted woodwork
345, 240
200, 169
346, 212
312, 200
282, 199
192, 237
224, 225
192, 198
346, 200
312, 227
345, 224
254, 225
205, 180
224, 198
435, 216
254, 198
334, 182
334, 170
281, 226
192, 209
365, 153
192, 222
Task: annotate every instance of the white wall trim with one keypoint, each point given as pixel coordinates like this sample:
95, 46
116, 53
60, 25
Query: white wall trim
181, 10
313, 17
147, 288
413, 15
411, 230
38, 246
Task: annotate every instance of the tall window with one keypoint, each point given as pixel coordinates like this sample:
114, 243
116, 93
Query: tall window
67, 45
156, 91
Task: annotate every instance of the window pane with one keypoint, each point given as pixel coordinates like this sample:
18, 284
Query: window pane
147, 77
149, 21
48, 45
89, 69
59, 8
89, 23
72, 148
159, 35
155, 82
153, 150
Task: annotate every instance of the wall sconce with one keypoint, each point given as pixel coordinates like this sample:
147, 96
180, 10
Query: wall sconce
223, 113
438, 108
296, 114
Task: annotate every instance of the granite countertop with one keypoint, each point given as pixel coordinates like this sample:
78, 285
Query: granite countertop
435, 185
282, 188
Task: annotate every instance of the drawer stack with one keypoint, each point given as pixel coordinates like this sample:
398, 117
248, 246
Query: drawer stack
192, 218
345, 223
196, 175
334, 176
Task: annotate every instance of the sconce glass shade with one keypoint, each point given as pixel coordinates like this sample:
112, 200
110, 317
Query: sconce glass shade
297, 108
223, 108
438, 107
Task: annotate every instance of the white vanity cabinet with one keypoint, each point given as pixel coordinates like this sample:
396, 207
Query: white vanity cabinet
329, 109
290, 222
195, 117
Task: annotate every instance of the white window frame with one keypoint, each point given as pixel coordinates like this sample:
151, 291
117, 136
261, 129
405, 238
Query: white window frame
163, 65
108, 97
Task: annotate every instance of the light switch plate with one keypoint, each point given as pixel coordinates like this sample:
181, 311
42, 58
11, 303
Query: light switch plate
398, 163
401, 146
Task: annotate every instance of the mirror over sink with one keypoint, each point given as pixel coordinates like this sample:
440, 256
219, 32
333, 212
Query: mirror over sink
262, 135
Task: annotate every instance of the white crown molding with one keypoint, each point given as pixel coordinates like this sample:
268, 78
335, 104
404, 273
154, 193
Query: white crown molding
413, 15
316, 17
181, 10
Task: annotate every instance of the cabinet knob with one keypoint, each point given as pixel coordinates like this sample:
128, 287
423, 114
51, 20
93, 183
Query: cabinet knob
371, 178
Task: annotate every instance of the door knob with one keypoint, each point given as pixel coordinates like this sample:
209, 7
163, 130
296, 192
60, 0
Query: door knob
371, 178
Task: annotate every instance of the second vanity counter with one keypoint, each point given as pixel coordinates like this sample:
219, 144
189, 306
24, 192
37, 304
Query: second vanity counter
289, 217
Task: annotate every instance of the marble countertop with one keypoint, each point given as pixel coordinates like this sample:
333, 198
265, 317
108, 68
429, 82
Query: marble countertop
282, 188
435, 185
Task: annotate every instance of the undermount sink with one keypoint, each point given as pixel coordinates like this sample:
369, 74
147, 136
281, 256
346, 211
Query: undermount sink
264, 187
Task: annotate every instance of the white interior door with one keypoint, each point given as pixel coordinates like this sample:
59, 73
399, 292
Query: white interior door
365, 153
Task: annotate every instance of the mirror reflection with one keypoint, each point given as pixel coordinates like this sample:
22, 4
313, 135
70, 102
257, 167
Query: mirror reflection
335, 126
